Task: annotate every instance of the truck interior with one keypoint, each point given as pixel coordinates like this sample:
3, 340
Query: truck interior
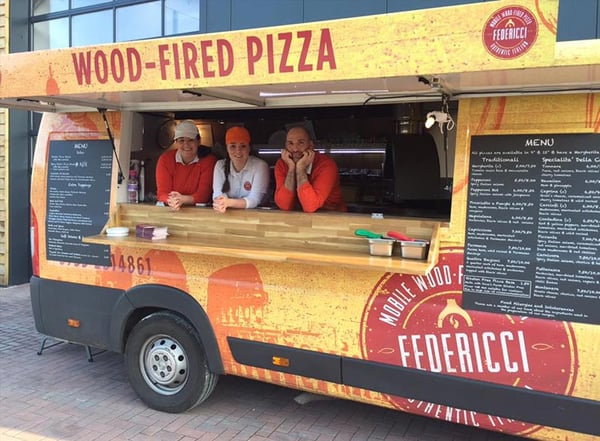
388, 162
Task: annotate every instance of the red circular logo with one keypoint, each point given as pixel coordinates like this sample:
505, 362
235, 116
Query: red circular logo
247, 186
510, 32
417, 322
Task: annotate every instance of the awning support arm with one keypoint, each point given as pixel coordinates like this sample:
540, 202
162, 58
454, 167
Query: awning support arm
112, 142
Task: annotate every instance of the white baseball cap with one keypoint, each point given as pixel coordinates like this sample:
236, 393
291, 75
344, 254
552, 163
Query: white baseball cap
186, 129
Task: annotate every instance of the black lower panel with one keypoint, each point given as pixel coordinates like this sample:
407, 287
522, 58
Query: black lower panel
521, 404
55, 303
301, 362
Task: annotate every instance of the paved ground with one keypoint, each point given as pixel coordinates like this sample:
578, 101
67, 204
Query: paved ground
61, 396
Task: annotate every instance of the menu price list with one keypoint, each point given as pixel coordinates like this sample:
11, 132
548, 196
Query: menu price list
78, 198
533, 226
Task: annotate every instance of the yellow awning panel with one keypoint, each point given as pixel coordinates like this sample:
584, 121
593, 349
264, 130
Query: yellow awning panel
480, 47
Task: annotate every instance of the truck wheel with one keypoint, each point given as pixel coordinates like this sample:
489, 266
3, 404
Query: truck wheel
166, 363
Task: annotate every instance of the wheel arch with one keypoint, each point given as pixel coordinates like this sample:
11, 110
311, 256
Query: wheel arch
142, 300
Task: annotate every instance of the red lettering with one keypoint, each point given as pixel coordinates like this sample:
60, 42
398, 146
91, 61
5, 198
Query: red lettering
163, 61
129, 263
190, 58
120, 64
306, 36
81, 65
134, 62
206, 59
116, 65
100, 66
254, 51
270, 51
326, 54
285, 52
225, 52
176, 65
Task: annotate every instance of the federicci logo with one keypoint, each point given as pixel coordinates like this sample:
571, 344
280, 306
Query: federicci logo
416, 321
510, 32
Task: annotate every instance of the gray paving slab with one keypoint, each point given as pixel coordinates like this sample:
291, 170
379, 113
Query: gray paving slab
60, 396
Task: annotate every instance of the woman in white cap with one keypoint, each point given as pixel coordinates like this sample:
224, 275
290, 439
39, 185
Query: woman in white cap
184, 175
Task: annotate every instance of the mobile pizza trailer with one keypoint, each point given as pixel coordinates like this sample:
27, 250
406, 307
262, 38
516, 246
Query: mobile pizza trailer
496, 326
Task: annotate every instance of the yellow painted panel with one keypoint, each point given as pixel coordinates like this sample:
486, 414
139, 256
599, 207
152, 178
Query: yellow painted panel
466, 38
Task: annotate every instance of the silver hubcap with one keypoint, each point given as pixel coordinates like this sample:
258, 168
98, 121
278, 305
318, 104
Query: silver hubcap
164, 364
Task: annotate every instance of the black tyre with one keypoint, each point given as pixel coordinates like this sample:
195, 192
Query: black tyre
166, 363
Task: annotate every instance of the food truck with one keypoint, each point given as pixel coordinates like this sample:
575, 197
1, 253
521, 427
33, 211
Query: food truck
493, 323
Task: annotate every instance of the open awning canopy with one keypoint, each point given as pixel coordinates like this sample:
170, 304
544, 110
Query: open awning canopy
481, 49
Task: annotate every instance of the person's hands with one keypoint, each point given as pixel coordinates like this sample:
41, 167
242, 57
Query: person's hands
304, 162
220, 203
287, 158
175, 200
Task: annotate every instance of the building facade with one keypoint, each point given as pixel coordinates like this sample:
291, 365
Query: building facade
3, 157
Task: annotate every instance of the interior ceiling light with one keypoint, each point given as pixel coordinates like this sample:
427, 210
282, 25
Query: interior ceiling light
442, 117
367, 91
278, 94
321, 92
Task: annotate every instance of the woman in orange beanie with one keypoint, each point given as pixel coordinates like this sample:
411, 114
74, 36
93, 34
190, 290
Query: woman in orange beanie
240, 180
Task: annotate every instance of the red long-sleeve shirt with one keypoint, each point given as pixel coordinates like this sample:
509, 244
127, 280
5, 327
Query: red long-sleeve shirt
321, 191
193, 179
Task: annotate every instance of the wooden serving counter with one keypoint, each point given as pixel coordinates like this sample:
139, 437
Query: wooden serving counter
325, 238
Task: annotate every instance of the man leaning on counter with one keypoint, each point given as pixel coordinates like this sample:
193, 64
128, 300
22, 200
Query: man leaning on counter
305, 178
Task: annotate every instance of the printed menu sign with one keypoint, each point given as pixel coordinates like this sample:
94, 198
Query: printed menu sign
79, 176
533, 226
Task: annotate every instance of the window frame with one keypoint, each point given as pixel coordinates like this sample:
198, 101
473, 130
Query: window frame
113, 6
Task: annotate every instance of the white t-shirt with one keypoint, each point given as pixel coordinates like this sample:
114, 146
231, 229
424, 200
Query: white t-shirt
251, 183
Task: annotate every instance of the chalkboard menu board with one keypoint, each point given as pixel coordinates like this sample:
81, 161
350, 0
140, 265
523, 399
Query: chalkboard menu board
533, 226
78, 198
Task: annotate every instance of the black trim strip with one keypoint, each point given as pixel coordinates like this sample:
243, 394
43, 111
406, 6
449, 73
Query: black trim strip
547, 409
570, 413
302, 362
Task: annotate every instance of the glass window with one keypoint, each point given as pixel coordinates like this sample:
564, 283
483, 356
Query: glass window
82, 3
182, 16
93, 28
39, 7
51, 34
139, 21
245, 14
